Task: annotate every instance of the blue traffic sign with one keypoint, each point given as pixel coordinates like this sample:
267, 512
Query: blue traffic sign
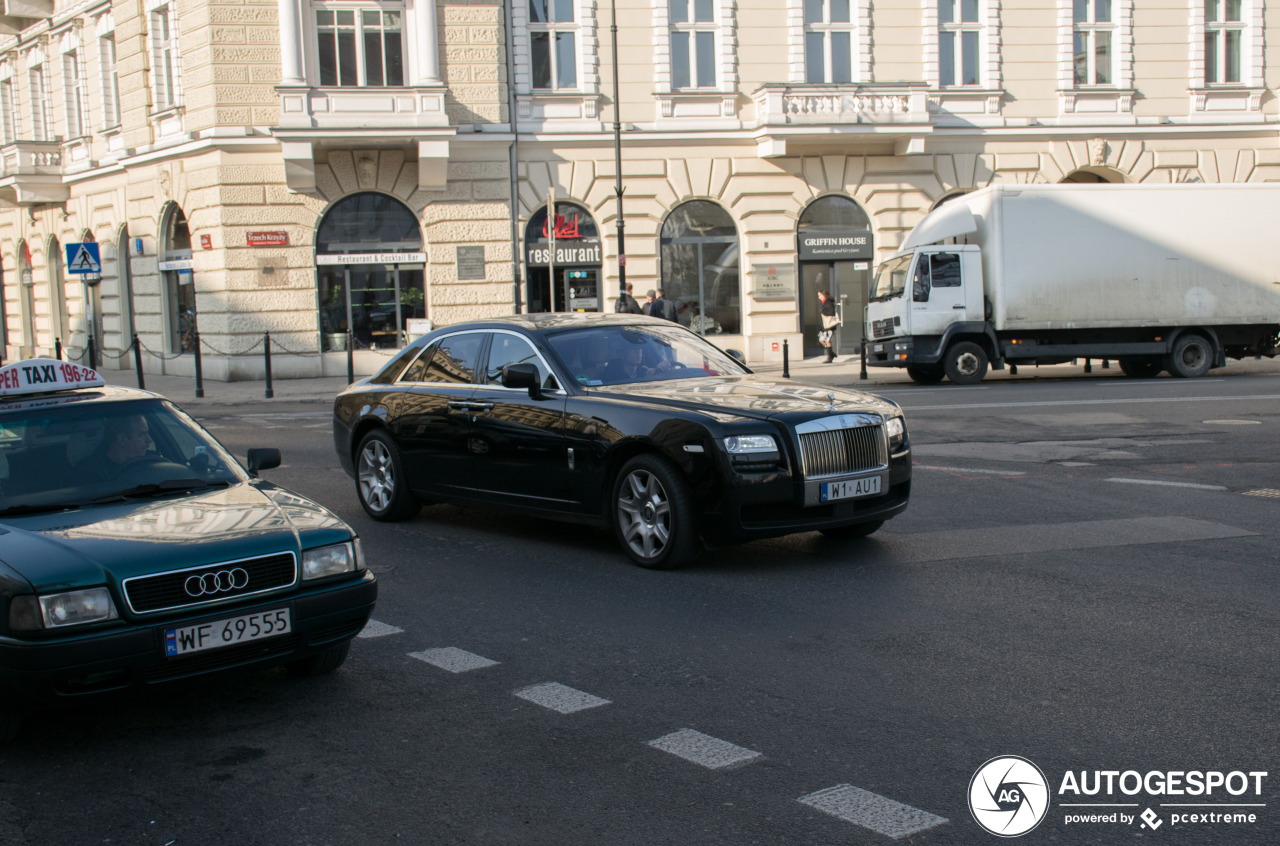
83, 258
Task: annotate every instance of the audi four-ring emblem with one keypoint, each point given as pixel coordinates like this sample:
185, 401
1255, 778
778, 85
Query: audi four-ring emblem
218, 582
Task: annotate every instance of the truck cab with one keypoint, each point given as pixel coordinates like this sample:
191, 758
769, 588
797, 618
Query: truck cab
922, 302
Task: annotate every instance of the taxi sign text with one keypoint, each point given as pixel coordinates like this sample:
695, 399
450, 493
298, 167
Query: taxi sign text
39, 375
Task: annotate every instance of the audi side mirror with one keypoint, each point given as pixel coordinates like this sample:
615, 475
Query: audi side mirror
737, 356
263, 458
522, 375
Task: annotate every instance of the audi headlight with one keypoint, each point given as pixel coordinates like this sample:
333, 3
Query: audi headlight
752, 452
332, 560
56, 610
896, 430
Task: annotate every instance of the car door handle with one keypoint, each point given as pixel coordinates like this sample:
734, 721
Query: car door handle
480, 406
460, 405
957, 306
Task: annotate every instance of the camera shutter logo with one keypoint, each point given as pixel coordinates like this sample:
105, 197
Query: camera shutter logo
1008, 796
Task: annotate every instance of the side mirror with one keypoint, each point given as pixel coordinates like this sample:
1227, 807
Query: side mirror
263, 458
737, 356
522, 375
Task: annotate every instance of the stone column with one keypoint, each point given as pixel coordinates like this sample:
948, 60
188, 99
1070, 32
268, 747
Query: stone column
426, 43
291, 43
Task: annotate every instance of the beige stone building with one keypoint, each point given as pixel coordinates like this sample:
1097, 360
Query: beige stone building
344, 174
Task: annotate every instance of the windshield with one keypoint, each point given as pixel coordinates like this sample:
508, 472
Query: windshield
619, 355
891, 278
65, 456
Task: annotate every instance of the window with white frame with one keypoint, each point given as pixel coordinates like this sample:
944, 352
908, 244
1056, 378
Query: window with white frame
959, 43
553, 38
360, 46
164, 57
828, 40
8, 120
109, 77
1224, 32
41, 125
73, 86
693, 43
1094, 39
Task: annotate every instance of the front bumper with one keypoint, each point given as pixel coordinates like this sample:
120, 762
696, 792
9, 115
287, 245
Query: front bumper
40, 671
891, 352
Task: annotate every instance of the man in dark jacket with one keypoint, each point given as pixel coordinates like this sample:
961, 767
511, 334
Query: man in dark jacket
660, 306
626, 303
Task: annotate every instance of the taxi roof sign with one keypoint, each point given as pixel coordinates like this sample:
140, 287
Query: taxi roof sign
44, 375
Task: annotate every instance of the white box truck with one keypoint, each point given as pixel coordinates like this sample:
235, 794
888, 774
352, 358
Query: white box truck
1155, 277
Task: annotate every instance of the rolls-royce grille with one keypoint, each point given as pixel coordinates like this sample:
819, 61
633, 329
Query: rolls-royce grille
882, 328
211, 584
837, 451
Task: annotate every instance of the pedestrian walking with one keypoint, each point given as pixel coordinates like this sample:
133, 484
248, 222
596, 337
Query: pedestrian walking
660, 306
626, 303
830, 322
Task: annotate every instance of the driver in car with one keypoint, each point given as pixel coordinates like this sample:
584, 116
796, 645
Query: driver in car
125, 439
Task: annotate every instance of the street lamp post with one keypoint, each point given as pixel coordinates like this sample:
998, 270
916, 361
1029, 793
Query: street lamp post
617, 152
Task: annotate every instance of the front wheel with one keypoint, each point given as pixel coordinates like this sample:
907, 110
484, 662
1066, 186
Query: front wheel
965, 363
1192, 356
381, 482
653, 514
322, 662
857, 530
926, 375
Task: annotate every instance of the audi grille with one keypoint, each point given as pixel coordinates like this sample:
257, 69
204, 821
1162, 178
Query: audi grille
210, 584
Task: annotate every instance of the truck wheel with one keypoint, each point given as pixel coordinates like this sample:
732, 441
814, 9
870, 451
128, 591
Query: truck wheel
965, 363
653, 514
1192, 356
925, 375
1141, 368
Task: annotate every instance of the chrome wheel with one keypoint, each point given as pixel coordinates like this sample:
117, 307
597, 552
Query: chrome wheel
377, 477
644, 514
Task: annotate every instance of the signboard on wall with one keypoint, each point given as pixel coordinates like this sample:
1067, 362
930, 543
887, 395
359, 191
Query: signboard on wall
471, 262
574, 252
817, 245
372, 258
773, 281
267, 239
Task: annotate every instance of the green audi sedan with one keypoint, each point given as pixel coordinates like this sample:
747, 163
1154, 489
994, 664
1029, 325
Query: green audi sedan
134, 550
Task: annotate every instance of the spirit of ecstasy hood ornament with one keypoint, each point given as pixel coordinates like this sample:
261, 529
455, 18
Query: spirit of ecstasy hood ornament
831, 402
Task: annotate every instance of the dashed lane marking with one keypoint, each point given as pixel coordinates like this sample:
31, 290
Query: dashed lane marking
704, 750
453, 659
1163, 483
375, 629
1272, 493
1051, 403
972, 470
872, 811
560, 698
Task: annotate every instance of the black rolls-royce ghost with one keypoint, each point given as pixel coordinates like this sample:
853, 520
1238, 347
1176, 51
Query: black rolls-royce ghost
623, 421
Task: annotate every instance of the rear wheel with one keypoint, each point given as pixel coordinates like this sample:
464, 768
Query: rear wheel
1141, 368
653, 513
1192, 356
926, 375
10, 723
965, 363
322, 662
857, 530
381, 482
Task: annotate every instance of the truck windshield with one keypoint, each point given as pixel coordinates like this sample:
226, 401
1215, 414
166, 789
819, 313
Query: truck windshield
891, 278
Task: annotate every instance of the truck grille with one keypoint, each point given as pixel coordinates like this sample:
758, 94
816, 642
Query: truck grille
210, 584
883, 328
838, 451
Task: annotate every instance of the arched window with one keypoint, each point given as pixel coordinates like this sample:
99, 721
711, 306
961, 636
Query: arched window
835, 249
124, 288
569, 278
61, 324
700, 267
27, 301
179, 289
370, 265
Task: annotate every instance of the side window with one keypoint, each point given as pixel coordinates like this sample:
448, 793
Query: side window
945, 269
416, 371
455, 359
511, 349
920, 285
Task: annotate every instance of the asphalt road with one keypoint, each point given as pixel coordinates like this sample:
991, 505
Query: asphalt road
1086, 577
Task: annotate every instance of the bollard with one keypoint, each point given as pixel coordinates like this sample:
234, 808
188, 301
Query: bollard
92, 356
786, 359
57, 348
1106, 364
195, 335
137, 362
862, 354
266, 343
351, 362
1013, 370
1088, 365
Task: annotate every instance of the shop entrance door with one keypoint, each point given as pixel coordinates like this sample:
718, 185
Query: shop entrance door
847, 281
373, 302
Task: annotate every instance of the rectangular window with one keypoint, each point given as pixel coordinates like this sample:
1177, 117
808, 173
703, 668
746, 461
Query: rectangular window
8, 121
959, 42
1223, 41
360, 47
1094, 28
110, 81
164, 58
693, 44
553, 44
828, 41
41, 126
73, 85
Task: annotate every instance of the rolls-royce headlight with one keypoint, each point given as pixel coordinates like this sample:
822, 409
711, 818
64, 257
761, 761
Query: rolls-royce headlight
56, 610
752, 453
332, 560
896, 430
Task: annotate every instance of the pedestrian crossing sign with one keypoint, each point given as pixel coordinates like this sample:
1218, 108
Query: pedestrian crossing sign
83, 258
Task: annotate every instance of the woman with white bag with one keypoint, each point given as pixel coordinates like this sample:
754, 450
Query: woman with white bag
830, 322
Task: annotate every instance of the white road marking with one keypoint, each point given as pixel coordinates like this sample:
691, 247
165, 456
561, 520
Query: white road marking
870, 810
1076, 464
972, 470
453, 659
375, 629
1233, 422
1050, 403
704, 750
1163, 483
559, 697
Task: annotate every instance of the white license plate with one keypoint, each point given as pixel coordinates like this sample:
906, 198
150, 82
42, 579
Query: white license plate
228, 632
850, 489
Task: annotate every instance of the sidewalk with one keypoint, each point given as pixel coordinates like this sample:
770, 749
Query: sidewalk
844, 372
